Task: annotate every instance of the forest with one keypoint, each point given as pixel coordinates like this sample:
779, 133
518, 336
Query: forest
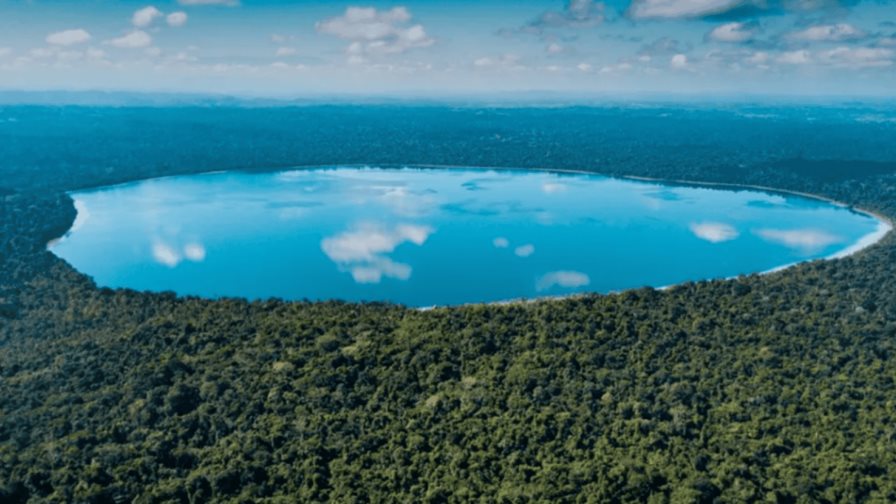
764, 388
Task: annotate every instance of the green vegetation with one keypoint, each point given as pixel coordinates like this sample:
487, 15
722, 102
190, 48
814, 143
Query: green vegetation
775, 388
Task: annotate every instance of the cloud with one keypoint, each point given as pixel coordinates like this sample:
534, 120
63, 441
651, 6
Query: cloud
364, 250
524, 250
176, 19
134, 40
859, 57
670, 9
553, 187
806, 240
285, 51
506, 61
145, 16
501, 242
374, 271
678, 61
165, 254
68, 37
829, 33
194, 252
715, 232
567, 279
229, 3
800, 57
375, 32
170, 256
576, 14
733, 33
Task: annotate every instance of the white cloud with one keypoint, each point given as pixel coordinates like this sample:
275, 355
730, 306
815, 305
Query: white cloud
806, 240
375, 32
829, 33
859, 57
374, 271
758, 58
68, 37
501, 242
134, 40
732, 33
170, 256
584, 67
553, 187
285, 51
194, 252
364, 250
642, 9
230, 3
678, 61
176, 19
800, 57
145, 16
715, 232
567, 279
524, 250
510, 61
165, 254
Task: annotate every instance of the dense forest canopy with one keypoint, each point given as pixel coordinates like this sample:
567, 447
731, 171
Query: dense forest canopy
773, 388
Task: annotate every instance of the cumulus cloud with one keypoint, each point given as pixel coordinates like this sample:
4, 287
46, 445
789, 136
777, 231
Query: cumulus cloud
364, 250
68, 37
576, 14
645, 9
733, 33
828, 33
194, 252
134, 40
145, 16
553, 187
714, 232
806, 240
285, 51
566, 279
374, 32
508, 61
678, 61
501, 242
176, 19
165, 254
169, 255
524, 250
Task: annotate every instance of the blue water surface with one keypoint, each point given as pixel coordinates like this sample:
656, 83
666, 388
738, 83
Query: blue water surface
426, 237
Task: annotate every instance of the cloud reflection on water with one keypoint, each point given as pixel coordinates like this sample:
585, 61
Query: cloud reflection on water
805, 240
364, 250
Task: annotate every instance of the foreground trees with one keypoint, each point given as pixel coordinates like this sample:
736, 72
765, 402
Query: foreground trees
777, 388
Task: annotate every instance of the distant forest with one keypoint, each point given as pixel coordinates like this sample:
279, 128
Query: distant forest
772, 388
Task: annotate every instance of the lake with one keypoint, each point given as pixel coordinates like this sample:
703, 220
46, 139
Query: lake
423, 237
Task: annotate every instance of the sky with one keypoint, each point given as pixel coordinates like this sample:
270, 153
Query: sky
451, 47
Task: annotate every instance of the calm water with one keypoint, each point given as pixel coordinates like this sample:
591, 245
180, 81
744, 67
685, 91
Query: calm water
423, 237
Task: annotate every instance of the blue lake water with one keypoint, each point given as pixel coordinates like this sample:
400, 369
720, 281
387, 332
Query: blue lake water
426, 237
